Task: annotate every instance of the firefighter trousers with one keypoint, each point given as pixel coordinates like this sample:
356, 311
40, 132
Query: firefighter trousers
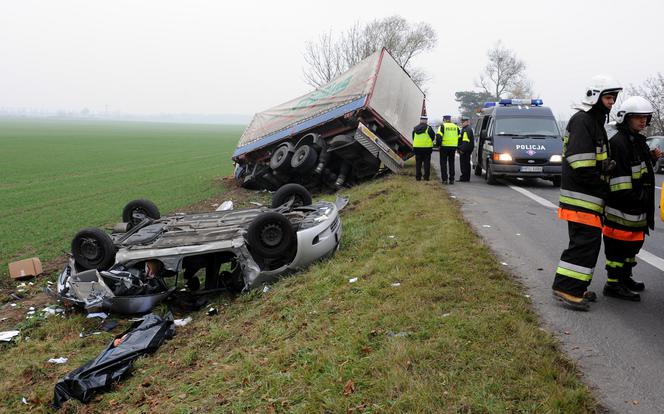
620, 258
577, 262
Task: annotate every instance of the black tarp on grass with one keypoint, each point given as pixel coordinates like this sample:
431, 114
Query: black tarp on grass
142, 338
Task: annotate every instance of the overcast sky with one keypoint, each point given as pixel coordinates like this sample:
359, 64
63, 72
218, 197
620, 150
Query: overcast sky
245, 56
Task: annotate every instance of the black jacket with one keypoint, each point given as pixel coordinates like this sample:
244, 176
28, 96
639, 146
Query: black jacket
419, 128
586, 163
466, 147
632, 185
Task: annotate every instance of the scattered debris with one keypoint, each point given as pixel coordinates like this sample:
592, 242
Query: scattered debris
266, 289
503, 263
391, 236
213, 311
13, 305
31, 312
115, 361
349, 388
61, 360
396, 284
182, 322
7, 336
24, 401
486, 225
398, 334
101, 315
526, 296
109, 324
540, 269
518, 234
445, 315
452, 196
52, 310
225, 206
15, 296
256, 203
31, 308
352, 280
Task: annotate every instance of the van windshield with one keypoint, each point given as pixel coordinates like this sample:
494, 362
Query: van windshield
521, 126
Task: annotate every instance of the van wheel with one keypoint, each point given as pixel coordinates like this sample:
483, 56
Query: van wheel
92, 248
478, 170
490, 177
556, 181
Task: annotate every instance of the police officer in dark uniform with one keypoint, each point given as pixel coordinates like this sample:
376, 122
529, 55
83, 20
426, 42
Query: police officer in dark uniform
584, 189
448, 135
466, 145
423, 137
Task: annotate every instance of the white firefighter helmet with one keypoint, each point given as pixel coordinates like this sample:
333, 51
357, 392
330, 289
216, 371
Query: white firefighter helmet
599, 85
635, 105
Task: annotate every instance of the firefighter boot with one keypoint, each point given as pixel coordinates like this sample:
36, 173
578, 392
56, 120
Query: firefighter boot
574, 302
620, 291
634, 285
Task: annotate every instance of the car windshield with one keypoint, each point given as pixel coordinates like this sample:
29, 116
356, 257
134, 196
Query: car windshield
522, 126
656, 142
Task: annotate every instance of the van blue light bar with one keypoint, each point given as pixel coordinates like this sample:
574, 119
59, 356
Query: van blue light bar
489, 104
532, 102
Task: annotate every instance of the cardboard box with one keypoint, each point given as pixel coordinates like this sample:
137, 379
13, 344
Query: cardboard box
25, 268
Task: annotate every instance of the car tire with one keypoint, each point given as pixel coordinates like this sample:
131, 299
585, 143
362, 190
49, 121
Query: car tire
271, 236
296, 192
281, 158
304, 158
557, 181
92, 248
136, 210
490, 177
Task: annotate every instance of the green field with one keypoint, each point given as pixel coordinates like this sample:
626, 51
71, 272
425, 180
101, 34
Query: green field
59, 176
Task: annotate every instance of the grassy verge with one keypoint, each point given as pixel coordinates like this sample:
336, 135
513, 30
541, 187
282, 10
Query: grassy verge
455, 335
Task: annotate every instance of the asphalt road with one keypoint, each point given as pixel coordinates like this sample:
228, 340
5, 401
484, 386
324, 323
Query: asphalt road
618, 345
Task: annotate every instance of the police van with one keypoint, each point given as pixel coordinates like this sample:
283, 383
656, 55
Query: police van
517, 138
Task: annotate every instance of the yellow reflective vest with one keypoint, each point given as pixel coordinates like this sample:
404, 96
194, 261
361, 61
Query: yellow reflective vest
450, 134
422, 140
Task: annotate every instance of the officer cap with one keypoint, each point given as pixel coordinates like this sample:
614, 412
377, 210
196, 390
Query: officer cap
447, 117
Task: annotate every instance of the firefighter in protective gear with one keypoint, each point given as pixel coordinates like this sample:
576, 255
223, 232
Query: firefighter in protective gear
630, 207
423, 137
584, 188
448, 137
466, 146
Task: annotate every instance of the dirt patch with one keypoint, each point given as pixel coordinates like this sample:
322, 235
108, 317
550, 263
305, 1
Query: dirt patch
10, 315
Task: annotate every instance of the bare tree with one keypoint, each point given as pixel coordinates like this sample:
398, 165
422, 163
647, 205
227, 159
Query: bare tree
653, 90
330, 56
504, 74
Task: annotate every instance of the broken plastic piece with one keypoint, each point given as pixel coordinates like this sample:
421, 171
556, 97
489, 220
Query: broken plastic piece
266, 289
24, 401
114, 362
396, 284
352, 280
213, 311
61, 360
101, 315
7, 336
182, 322
225, 206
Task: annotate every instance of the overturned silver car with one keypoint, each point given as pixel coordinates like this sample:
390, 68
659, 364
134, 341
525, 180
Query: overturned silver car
140, 263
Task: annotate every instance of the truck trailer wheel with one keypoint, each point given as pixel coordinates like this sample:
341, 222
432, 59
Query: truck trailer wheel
304, 159
137, 210
300, 195
281, 158
92, 248
271, 236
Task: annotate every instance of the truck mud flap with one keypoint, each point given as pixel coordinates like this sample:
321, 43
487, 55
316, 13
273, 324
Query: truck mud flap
378, 148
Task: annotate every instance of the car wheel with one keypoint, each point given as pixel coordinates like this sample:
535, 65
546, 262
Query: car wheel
281, 158
304, 158
557, 181
271, 236
137, 210
296, 192
490, 177
93, 249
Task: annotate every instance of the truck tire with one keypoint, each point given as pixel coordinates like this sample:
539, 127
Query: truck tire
300, 195
271, 236
304, 159
92, 248
490, 177
281, 158
137, 210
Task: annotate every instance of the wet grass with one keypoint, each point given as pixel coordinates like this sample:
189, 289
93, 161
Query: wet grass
432, 325
57, 177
